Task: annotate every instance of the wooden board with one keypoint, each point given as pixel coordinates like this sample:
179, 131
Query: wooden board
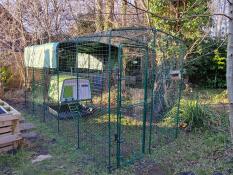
8, 117
10, 136
9, 139
5, 129
5, 123
6, 134
11, 126
9, 146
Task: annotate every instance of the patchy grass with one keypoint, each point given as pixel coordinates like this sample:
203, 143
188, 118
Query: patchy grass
208, 96
203, 150
65, 158
68, 160
200, 151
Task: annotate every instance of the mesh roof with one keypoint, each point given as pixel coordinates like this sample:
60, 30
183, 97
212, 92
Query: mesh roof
45, 55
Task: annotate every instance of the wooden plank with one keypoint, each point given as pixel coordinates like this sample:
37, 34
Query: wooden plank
6, 134
6, 129
8, 139
7, 148
15, 126
10, 136
8, 117
16, 129
5, 123
5, 145
16, 114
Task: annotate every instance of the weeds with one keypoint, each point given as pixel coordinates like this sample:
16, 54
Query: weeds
197, 115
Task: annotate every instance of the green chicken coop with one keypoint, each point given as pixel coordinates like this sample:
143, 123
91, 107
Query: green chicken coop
114, 94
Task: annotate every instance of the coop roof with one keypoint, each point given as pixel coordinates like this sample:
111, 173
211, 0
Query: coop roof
45, 55
114, 37
41, 56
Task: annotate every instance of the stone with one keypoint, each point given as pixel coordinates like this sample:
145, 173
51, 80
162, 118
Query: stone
41, 158
30, 135
217, 173
26, 126
186, 173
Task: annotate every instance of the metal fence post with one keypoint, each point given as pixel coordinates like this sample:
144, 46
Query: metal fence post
33, 91
109, 102
78, 121
119, 106
182, 50
152, 87
44, 93
145, 102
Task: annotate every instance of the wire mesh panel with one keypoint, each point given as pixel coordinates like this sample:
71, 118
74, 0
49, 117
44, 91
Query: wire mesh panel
37, 98
167, 88
114, 94
92, 65
130, 102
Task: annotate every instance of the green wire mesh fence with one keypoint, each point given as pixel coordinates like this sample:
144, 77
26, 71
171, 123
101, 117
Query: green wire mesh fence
113, 94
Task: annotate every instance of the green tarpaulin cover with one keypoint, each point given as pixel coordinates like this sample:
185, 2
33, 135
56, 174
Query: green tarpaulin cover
45, 56
41, 56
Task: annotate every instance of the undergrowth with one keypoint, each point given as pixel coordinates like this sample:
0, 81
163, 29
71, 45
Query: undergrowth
196, 115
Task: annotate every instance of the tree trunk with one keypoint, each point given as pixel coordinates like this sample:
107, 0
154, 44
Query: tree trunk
145, 6
229, 74
123, 13
99, 16
108, 23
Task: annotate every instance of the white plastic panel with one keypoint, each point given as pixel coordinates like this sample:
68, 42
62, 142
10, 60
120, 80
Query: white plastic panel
84, 90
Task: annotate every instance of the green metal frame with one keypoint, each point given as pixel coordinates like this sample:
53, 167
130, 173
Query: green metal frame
119, 107
153, 47
152, 89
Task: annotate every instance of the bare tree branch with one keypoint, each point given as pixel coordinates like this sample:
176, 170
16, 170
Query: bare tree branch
170, 19
229, 2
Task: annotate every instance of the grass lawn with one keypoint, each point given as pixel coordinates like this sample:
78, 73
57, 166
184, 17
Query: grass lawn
200, 151
208, 96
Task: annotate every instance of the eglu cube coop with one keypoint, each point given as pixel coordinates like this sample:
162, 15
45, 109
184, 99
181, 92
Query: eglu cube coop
113, 94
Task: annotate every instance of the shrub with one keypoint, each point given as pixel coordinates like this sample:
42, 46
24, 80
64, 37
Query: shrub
196, 115
5, 75
207, 66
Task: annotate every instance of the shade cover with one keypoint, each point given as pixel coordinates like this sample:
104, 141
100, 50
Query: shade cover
41, 56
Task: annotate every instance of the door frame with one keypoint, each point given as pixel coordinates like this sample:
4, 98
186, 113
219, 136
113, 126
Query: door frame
118, 137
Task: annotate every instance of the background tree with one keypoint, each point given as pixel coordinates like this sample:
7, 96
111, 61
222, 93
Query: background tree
207, 68
99, 15
181, 18
109, 9
229, 74
123, 13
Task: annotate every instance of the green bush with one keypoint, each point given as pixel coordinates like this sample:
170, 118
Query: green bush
197, 115
206, 67
5, 75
